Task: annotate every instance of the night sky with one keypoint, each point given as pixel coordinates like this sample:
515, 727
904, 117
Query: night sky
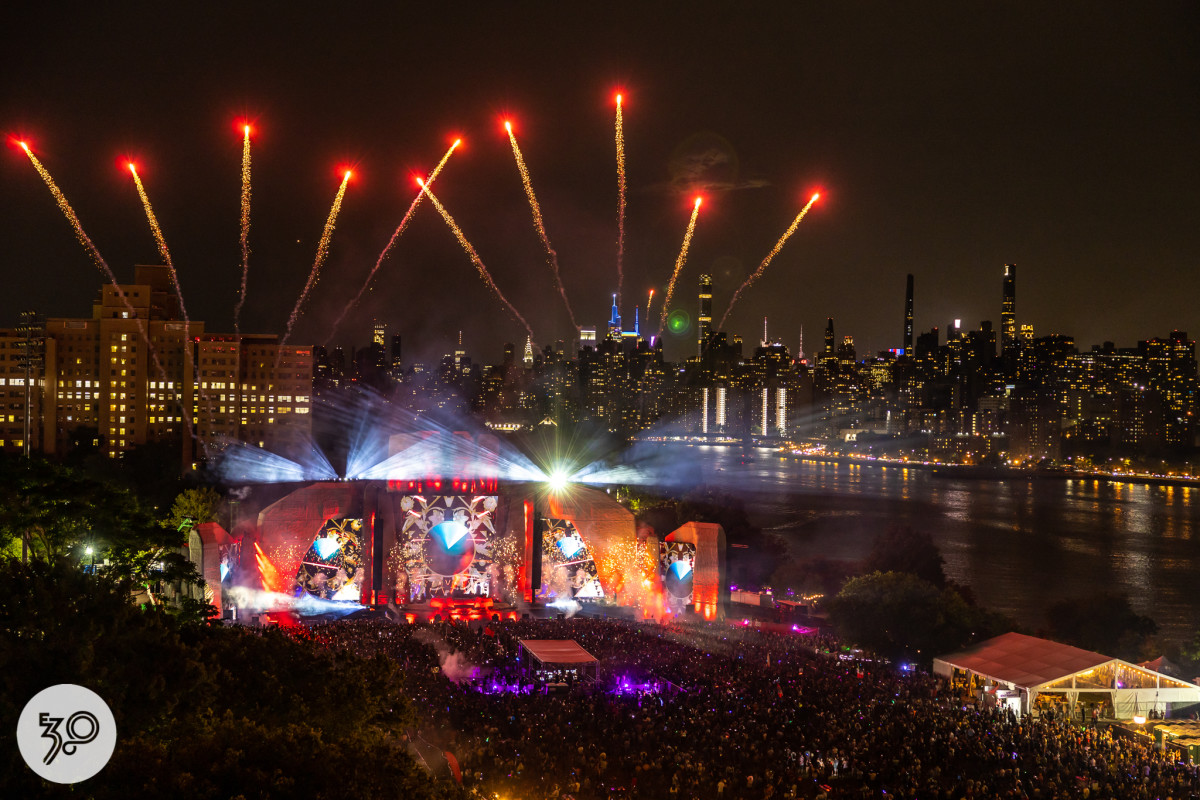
946, 139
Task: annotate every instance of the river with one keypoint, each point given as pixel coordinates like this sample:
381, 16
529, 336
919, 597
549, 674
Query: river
1019, 544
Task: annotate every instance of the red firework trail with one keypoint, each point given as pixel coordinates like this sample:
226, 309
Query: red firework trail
470, 251
322, 251
391, 242
89, 245
683, 251
620, 138
538, 224
245, 238
774, 252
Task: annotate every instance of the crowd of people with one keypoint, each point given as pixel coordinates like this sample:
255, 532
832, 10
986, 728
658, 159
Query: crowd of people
733, 713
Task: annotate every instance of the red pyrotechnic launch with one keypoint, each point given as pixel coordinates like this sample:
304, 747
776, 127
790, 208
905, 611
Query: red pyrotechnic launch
89, 245
538, 223
620, 139
683, 251
474, 256
161, 241
774, 252
391, 242
322, 252
245, 237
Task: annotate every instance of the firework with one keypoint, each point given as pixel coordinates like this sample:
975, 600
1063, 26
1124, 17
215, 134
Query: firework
774, 252
470, 251
162, 242
396, 235
620, 137
102, 265
649, 303
683, 251
538, 223
69, 213
237, 309
322, 251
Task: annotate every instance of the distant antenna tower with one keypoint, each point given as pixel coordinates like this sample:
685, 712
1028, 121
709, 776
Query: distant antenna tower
765, 340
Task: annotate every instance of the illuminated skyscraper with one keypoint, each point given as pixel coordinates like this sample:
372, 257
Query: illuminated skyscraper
705, 312
908, 317
614, 322
1008, 311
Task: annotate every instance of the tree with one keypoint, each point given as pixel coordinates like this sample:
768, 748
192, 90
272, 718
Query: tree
56, 510
194, 507
901, 549
897, 614
202, 711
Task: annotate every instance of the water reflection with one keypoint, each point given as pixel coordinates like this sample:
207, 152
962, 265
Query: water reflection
1020, 545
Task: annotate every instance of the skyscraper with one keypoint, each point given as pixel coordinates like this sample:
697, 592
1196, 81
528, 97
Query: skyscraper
1008, 311
908, 317
829, 347
705, 312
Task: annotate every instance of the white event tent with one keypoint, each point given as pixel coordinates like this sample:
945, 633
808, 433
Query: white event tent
1045, 674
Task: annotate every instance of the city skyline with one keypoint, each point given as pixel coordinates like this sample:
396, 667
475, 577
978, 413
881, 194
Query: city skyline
956, 148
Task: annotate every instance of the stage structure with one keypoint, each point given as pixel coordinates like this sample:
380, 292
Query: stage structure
435, 534
551, 659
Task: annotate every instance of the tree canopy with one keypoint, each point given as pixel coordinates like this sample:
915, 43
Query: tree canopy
202, 712
900, 615
901, 549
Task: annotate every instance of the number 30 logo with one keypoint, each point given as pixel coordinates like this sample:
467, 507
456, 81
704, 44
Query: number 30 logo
66, 733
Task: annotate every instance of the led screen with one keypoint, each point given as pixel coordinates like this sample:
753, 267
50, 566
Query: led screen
676, 560
568, 567
332, 567
447, 547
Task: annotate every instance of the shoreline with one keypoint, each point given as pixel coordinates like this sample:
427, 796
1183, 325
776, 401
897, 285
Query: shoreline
968, 472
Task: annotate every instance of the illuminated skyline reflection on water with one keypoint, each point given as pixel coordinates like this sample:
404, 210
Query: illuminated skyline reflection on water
1019, 544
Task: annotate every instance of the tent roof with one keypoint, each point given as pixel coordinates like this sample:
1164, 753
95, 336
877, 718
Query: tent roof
557, 651
1025, 661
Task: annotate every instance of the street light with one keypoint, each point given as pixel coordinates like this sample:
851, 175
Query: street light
91, 551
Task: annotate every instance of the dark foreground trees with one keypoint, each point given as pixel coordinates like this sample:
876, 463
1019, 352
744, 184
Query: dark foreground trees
201, 712
900, 615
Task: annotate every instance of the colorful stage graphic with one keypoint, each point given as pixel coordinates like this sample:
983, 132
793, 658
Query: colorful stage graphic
676, 561
446, 547
332, 568
568, 567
